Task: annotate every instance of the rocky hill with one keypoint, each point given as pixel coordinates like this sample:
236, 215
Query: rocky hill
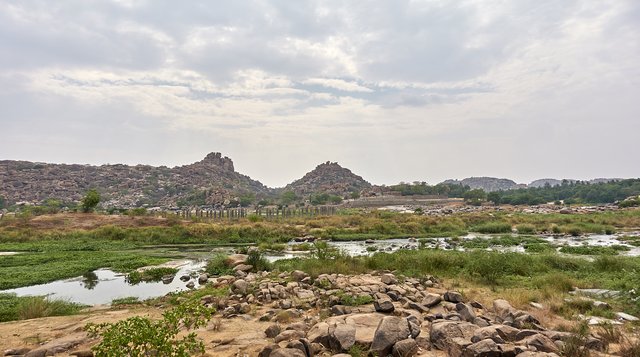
212, 181
488, 184
328, 177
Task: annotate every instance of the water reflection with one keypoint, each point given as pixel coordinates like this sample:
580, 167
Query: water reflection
90, 280
103, 285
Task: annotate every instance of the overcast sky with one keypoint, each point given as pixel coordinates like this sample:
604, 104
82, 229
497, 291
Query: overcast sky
393, 90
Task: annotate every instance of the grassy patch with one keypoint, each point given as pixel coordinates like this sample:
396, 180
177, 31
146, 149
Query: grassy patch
503, 241
354, 300
130, 300
152, 274
13, 307
594, 250
492, 228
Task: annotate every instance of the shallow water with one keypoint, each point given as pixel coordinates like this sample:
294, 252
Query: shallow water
104, 285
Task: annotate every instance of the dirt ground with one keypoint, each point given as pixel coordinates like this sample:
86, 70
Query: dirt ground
87, 221
226, 337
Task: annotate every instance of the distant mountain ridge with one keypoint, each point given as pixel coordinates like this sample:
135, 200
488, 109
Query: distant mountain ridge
212, 181
490, 184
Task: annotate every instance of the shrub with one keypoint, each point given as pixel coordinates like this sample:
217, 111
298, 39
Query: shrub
258, 261
90, 201
139, 336
216, 266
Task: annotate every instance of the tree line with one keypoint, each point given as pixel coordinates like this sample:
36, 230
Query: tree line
569, 192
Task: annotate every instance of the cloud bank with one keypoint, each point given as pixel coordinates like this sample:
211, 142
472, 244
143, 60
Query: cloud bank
403, 90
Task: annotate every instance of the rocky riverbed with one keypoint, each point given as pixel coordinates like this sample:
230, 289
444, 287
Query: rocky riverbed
293, 314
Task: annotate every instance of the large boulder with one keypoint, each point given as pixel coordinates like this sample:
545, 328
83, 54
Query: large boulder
287, 352
390, 330
405, 348
236, 259
541, 343
431, 300
466, 312
319, 333
383, 305
365, 325
484, 348
443, 332
341, 337
502, 308
239, 287
388, 279
453, 296
498, 333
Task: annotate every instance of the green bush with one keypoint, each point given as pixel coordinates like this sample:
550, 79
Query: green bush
258, 261
217, 266
140, 336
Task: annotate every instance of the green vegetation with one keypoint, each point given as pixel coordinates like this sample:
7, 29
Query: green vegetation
634, 202
492, 228
90, 201
576, 192
503, 241
544, 272
631, 240
594, 250
140, 336
258, 261
13, 307
324, 198
19, 270
421, 188
152, 274
569, 192
129, 300
354, 300
216, 266
68, 253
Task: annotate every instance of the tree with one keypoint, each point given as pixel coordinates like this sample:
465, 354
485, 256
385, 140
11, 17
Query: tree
495, 197
475, 197
90, 201
288, 197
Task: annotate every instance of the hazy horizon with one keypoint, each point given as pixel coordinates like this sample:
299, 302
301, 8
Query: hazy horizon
394, 91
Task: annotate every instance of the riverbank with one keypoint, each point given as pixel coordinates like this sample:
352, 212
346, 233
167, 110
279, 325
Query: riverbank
256, 314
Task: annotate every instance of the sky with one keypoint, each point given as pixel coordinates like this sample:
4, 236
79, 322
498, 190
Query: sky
393, 90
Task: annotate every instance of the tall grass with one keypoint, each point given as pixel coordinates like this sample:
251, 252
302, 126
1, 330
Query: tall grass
13, 307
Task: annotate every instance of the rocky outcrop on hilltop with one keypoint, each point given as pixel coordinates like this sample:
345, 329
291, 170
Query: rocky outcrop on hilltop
212, 181
328, 177
488, 184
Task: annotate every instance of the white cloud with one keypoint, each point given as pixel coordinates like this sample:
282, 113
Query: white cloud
398, 90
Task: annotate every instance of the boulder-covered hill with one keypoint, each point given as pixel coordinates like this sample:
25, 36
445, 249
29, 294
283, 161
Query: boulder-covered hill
488, 184
328, 177
212, 181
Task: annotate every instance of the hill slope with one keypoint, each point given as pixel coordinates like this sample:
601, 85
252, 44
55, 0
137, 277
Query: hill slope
328, 177
212, 181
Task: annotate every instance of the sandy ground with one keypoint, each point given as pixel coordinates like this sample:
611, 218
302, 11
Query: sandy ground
226, 337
